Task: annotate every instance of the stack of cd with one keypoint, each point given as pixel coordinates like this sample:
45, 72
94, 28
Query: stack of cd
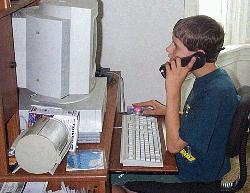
89, 137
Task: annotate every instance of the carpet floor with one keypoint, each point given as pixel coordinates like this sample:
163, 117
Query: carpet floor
232, 175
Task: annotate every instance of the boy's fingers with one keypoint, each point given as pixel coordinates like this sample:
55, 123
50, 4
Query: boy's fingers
143, 104
178, 62
149, 112
191, 63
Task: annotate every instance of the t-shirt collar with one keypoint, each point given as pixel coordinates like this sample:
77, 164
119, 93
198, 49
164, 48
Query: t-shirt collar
206, 78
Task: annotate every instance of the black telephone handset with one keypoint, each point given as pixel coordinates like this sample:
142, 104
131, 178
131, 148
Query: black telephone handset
200, 61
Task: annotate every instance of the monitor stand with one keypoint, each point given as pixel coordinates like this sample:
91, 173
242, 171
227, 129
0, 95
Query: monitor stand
91, 109
73, 98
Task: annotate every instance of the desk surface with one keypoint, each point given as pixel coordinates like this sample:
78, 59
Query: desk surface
115, 165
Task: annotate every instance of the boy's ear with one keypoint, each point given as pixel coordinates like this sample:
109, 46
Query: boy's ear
202, 51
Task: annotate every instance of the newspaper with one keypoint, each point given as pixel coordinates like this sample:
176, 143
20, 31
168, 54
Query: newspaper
12, 187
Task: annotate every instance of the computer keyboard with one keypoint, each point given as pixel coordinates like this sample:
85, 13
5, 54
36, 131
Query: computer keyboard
140, 141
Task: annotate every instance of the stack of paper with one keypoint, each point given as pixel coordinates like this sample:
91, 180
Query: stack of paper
66, 189
35, 187
14, 187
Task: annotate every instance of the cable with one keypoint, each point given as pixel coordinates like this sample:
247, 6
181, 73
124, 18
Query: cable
123, 102
26, 122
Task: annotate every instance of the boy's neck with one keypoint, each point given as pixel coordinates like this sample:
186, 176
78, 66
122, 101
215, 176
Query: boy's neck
206, 69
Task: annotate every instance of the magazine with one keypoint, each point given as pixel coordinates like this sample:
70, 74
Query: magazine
14, 187
90, 159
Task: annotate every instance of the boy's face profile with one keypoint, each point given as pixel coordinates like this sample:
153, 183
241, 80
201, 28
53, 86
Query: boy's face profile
177, 49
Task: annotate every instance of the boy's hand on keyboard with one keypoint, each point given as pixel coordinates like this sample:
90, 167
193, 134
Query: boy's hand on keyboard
152, 107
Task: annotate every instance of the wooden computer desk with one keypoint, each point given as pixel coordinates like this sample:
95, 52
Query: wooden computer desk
169, 161
94, 181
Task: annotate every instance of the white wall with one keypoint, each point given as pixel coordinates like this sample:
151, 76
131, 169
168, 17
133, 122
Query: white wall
135, 35
248, 22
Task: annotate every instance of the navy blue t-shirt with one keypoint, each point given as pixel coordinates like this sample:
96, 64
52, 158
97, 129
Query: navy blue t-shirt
205, 125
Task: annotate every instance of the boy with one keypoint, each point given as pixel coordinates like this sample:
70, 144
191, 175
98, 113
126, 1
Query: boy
198, 136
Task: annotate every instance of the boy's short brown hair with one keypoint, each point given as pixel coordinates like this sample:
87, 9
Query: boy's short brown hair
201, 32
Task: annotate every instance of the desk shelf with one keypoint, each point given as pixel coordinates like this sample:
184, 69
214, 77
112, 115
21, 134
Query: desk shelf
95, 180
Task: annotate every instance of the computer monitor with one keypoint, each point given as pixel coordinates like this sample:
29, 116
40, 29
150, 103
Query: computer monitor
56, 59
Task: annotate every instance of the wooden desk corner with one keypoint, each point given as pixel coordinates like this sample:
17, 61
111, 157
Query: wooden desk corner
169, 161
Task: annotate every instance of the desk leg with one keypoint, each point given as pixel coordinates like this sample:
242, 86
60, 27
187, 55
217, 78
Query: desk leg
102, 187
4, 163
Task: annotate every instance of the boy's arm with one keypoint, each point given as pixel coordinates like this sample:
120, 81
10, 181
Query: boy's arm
176, 75
172, 121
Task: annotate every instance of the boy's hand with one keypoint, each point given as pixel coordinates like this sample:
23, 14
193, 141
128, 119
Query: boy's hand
152, 107
176, 75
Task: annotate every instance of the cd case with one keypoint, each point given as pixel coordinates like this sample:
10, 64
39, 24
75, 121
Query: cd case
91, 159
